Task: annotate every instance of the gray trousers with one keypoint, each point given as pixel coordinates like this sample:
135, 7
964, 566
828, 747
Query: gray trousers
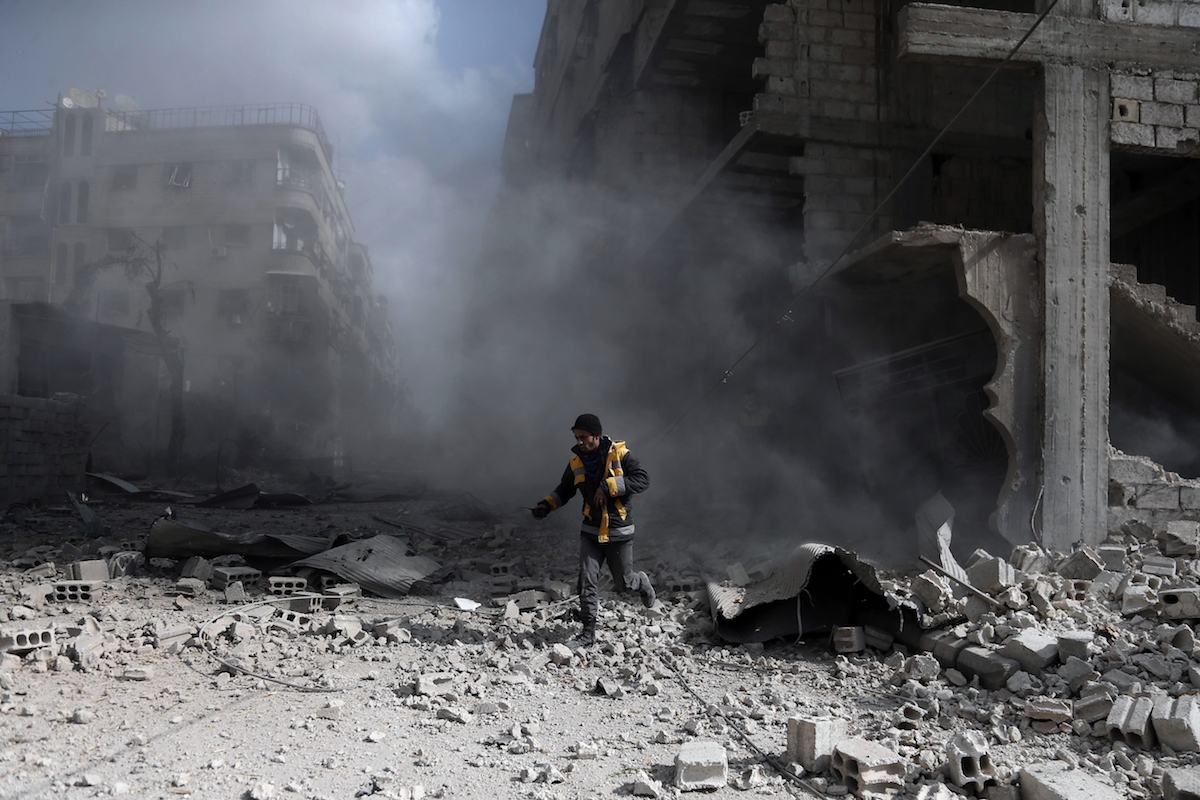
619, 556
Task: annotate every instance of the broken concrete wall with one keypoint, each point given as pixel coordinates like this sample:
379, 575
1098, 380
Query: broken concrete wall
1144, 497
1156, 110
43, 448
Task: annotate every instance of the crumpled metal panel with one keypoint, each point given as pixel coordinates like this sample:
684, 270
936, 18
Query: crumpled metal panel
380, 565
782, 604
179, 539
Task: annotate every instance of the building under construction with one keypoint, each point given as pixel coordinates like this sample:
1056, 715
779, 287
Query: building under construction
1023, 297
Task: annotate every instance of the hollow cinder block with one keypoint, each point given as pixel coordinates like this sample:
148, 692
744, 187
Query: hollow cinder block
968, 763
810, 740
1130, 721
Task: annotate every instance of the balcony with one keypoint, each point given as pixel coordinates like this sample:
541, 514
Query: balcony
297, 114
26, 123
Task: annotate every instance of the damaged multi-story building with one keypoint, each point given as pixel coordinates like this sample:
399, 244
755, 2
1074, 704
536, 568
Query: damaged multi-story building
288, 351
1023, 297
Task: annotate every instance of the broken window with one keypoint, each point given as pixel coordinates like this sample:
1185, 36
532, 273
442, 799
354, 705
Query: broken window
120, 239
60, 263
81, 201
284, 297
113, 303
85, 138
295, 229
27, 235
241, 173
64, 203
125, 177
237, 235
29, 172
174, 237
80, 257
179, 175
298, 168
68, 134
233, 304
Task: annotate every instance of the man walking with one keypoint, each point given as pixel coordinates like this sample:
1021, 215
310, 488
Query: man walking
607, 475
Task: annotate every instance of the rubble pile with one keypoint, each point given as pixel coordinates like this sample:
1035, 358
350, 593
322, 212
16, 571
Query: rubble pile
1054, 676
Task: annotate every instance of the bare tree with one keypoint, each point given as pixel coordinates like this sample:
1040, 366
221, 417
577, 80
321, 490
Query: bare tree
144, 262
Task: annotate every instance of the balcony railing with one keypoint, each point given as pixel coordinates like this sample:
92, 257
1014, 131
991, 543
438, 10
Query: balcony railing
36, 122
297, 114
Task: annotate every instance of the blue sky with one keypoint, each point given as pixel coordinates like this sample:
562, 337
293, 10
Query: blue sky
414, 94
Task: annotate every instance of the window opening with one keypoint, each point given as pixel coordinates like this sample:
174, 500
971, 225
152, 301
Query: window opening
174, 237
29, 172
120, 238
69, 134
60, 263
179, 175
237, 235
81, 201
125, 177
64, 203
85, 135
27, 235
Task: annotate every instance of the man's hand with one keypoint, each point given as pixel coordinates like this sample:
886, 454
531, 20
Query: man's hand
601, 497
541, 510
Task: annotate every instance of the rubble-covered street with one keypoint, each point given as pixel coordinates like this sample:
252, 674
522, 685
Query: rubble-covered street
1077, 679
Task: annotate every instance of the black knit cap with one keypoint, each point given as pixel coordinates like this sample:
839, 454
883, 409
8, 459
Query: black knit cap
589, 423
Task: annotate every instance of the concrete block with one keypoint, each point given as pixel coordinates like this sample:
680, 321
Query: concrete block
992, 574
867, 766
189, 587
1113, 556
922, 667
944, 645
1137, 87
968, 763
1076, 672
1057, 781
1093, 708
93, 571
1076, 644
22, 640
1159, 565
309, 604
1161, 497
340, 594
1177, 722
1137, 598
1182, 783
1180, 538
286, 585
992, 668
933, 590
1170, 90
1130, 721
810, 740
197, 567
849, 640
701, 765
74, 592
1049, 709
1179, 604
166, 636
223, 576
86, 650
1132, 133
343, 625
1124, 110
1030, 559
235, 593
1189, 496
1082, 565
878, 638
1032, 649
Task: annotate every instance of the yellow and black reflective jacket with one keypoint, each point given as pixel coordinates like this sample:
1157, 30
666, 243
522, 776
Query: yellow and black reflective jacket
623, 477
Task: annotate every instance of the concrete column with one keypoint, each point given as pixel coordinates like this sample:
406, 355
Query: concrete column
1071, 184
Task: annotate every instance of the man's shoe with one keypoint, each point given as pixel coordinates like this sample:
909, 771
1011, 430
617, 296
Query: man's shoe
647, 592
587, 637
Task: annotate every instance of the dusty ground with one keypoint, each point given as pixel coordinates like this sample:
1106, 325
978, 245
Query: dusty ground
469, 704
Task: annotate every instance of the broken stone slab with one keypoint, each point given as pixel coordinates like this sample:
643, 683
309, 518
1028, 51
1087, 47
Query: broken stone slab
95, 570
609, 688
968, 763
1180, 538
933, 590
701, 765
1076, 672
1058, 781
189, 587
1113, 556
197, 567
1032, 649
1075, 644
1130, 721
643, 785
1159, 565
1138, 598
1030, 559
1177, 722
811, 739
867, 766
1084, 565
922, 667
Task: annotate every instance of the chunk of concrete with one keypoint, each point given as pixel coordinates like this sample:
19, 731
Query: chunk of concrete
1056, 781
1032, 649
1182, 783
197, 567
1130, 721
810, 740
1093, 708
1177, 722
1048, 709
933, 590
1160, 565
992, 668
701, 765
1030, 559
992, 574
944, 645
968, 763
867, 766
94, 570
1082, 565
1180, 538
1113, 556
849, 640
1075, 644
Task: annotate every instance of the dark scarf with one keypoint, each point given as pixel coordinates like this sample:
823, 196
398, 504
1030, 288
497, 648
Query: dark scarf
593, 462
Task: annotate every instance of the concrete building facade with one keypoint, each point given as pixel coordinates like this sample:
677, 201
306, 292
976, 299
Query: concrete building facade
978, 314
287, 349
